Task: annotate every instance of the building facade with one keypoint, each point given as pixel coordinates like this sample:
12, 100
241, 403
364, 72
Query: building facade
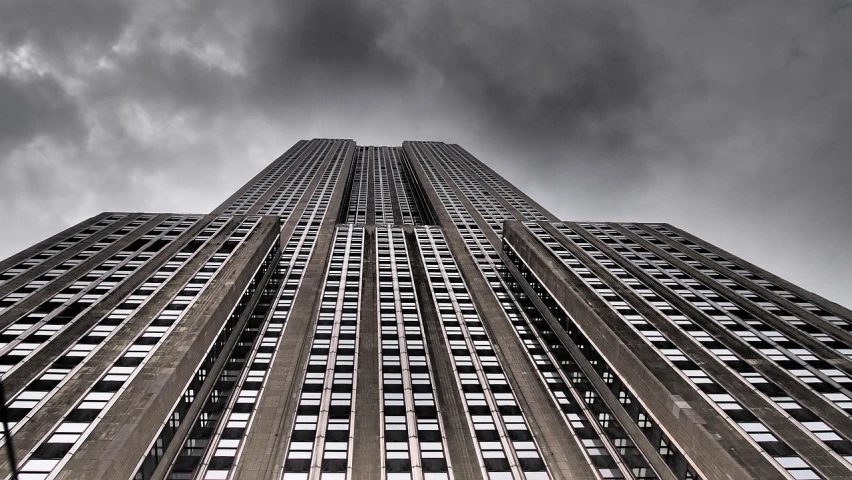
406, 313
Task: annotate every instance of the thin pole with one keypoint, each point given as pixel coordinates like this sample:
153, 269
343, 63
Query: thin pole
10, 450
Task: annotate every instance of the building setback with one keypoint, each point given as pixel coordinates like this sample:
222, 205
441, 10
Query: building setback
406, 313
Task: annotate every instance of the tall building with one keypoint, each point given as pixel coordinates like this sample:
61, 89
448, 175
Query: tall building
406, 313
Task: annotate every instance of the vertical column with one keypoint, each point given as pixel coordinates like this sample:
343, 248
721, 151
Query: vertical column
679, 347
393, 185
367, 434
89, 430
666, 408
383, 203
262, 450
59, 374
463, 454
321, 437
471, 238
412, 430
503, 437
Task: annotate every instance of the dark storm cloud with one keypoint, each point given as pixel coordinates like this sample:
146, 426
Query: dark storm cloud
176, 78
728, 118
36, 106
35, 103
584, 74
543, 70
61, 30
305, 48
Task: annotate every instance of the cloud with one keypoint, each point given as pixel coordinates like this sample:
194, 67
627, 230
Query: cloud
314, 51
34, 106
63, 32
542, 70
729, 120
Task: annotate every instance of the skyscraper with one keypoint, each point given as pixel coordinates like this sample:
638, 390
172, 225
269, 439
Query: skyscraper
406, 313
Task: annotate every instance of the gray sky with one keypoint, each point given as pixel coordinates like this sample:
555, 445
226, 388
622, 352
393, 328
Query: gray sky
731, 119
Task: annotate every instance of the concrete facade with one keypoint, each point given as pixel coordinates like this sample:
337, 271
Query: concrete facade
406, 313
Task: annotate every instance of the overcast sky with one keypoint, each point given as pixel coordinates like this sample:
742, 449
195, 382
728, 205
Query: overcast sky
731, 118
